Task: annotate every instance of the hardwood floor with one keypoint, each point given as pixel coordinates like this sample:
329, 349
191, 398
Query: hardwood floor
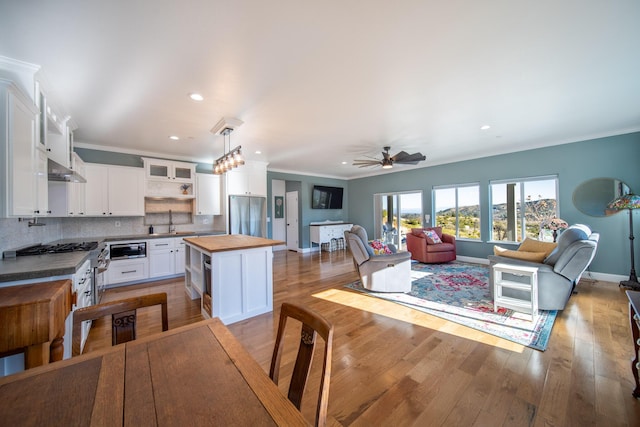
405, 368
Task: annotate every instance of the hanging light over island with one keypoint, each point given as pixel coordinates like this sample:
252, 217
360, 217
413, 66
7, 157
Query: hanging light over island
233, 157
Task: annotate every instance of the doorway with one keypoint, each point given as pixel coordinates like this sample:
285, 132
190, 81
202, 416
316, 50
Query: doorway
395, 215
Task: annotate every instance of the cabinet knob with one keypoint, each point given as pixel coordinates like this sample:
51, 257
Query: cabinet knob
104, 213
36, 212
48, 149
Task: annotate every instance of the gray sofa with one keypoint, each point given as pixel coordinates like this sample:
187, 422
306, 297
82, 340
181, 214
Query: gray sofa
560, 271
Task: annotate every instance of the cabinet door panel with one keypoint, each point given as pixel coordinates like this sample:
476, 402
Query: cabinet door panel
126, 191
208, 194
96, 194
161, 262
21, 146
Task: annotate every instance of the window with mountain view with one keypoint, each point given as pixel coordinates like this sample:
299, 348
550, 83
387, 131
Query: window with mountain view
457, 210
519, 207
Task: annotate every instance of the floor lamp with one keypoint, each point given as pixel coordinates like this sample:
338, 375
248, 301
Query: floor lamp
631, 202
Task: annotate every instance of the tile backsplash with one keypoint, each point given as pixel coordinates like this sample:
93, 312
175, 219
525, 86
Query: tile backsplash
15, 234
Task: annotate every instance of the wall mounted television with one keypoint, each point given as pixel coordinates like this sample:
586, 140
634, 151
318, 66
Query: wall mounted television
324, 197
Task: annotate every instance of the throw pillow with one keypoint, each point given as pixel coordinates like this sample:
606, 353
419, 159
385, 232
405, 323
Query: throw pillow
532, 245
379, 248
432, 237
521, 255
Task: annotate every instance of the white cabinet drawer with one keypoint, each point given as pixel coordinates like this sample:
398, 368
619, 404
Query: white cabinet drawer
155, 244
128, 271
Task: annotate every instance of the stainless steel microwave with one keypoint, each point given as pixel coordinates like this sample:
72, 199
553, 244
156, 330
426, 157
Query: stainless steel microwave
128, 250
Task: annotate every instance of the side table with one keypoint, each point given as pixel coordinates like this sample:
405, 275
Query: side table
634, 318
528, 303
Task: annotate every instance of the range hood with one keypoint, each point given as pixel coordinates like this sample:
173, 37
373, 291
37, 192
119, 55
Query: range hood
57, 172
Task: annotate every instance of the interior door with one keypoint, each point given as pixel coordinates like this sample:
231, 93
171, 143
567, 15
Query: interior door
291, 205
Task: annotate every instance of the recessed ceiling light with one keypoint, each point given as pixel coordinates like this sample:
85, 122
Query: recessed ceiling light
196, 96
175, 138
258, 152
485, 127
344, 163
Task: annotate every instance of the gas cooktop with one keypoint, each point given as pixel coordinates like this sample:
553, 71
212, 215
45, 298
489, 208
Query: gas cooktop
58, 248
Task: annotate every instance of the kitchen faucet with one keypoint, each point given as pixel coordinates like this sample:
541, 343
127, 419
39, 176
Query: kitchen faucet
172, 228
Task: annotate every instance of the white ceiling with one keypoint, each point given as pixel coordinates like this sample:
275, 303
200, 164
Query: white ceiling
318, 83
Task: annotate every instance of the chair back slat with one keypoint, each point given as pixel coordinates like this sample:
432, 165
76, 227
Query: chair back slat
313, 325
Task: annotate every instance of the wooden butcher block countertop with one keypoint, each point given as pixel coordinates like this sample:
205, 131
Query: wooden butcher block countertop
231, 242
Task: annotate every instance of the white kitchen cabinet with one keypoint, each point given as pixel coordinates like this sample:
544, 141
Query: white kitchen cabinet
162, 260
166, 257
248, 179
18, 192
126, 191
96, 195
42, 184
114, 190
207, 194
68, 198
158, 169
127, 270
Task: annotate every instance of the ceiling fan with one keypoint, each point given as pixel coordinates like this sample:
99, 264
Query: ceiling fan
387, 160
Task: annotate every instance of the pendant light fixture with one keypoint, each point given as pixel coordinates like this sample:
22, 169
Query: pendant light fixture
231, 158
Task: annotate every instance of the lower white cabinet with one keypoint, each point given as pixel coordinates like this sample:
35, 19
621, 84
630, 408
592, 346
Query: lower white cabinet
127, 270
166, 257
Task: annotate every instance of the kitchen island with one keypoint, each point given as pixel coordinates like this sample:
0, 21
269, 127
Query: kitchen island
233, 274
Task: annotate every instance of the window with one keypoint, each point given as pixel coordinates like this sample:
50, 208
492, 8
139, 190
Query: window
518, 207
457, 210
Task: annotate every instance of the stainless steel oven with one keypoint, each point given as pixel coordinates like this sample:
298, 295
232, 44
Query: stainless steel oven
119, 251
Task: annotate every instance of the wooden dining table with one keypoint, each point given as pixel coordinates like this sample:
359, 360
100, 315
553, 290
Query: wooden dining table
194, 375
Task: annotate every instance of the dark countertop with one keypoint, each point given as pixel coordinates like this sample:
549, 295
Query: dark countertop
66, 264
41, 266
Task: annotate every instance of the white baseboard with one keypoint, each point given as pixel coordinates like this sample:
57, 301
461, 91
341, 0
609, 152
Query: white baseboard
588, 275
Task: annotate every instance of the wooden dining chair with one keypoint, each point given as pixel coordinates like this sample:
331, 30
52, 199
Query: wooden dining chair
123, 317
312, 324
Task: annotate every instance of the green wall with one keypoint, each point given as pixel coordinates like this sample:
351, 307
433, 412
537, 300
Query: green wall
612, 157
124, 159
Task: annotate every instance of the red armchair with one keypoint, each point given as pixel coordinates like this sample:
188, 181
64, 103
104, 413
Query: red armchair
431, 253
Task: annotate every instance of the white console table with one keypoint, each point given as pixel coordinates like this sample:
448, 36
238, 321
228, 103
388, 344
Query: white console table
323, 232
530, 288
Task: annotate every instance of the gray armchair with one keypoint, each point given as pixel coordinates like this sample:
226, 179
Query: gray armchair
560, 271
379, 273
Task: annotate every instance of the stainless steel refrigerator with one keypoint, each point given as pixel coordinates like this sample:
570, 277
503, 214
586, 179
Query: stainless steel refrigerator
248, 215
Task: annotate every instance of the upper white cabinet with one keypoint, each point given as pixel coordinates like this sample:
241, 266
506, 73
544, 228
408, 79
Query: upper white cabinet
207, 194
114, 190
68, 198
166, 178
164, 170
250, 179
19, 190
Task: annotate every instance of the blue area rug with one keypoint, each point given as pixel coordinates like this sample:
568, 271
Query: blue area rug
459, 292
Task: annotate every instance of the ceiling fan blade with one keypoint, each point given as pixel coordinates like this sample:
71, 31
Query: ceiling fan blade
366, 162
400, 156
411, 159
